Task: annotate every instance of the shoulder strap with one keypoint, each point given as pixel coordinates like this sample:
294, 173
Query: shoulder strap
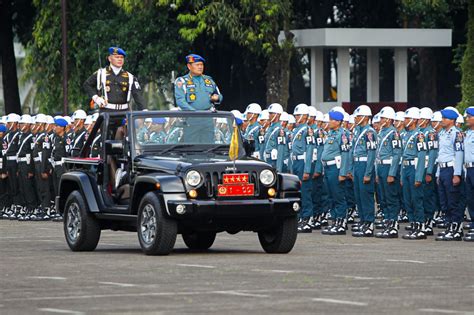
130, 82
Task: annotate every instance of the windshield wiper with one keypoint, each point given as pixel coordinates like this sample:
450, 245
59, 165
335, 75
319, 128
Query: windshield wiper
173, 147
221, 146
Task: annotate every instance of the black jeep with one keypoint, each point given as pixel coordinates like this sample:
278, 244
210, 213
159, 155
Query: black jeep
164, 173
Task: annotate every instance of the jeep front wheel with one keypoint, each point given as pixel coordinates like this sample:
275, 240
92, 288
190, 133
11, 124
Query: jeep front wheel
281, 238
199, 240
81, 228
156, 232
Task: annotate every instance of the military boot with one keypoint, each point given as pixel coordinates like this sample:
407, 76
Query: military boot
350, 215
317, 223
455, 233
410, 227
391, 231
303, 227
429, 227
418, 233
340, 228
367, 230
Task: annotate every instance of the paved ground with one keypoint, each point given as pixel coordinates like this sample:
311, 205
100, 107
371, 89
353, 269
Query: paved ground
323, 274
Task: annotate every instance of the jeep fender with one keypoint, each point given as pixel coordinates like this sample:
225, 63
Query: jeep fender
288, 182
71, 181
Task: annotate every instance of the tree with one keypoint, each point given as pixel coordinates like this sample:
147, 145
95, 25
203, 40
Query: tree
149, 39
467, 64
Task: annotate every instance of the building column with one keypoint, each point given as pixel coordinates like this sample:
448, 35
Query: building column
401, 75
317, 76
343, 76
373, 79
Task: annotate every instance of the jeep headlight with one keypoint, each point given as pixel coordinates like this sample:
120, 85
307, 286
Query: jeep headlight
193, 178
267, 177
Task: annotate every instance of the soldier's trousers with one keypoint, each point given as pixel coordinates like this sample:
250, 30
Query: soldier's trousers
57, 173
349, 192
4, 193
429, 199
306, 185
14, 197
413, 196
316, 195
364, 193
389, 193
470, 191
27, 186
449, 195
42, 187
336, 191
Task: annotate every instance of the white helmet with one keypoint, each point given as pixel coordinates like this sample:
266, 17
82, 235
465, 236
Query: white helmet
79, 114
351, 119
284, 116
291, 119
312, 111
89, 120
346, 117
413, 113
319, 116
253, 108
338, 109
26, 119
67, 119
264, 115
13, 118
460, 120
376, 118
237, 114
41, 119
426, 113
301, 109
363, 110
50, 120
387, 112
326, 118
437, 116
95, 116
400, 116
275, 108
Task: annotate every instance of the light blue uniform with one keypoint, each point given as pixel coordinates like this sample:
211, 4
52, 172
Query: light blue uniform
335, 162
318, 183
193, 93
251, 134
413, 170
273, 136
431, 197
302, 144
363, 149
469, 164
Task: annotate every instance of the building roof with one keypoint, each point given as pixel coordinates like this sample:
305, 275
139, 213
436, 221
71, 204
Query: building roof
372, 37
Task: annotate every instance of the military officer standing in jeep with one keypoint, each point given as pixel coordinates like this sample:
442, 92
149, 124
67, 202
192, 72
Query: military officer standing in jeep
111, 88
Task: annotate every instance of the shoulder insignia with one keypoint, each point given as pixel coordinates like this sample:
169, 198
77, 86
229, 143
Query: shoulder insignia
179, 83
207, 81
125, 74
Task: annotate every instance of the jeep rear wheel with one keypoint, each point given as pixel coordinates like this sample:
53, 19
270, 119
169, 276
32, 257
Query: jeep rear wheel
81, 229
281, 238
199, 240
156, 232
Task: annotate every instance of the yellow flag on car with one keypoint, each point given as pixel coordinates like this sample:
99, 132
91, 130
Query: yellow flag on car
234, 144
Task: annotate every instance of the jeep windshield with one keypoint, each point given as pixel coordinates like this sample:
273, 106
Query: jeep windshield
167, 133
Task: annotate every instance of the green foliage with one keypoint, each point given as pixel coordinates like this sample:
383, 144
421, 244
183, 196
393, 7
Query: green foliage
467, 64
148, 37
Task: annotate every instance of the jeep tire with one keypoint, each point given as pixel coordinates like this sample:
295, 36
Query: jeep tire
156, 232
199, 241
281, 238
81, 228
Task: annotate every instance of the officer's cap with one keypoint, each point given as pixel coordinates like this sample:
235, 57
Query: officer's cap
470, 111
192, 58
61, 122
449, 114
159, 120
117, 51
3, 128
335, 115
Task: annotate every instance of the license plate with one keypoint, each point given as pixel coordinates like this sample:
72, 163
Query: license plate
230, 179
235, 190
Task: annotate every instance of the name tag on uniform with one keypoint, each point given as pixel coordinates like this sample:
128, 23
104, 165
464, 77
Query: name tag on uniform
315, 154
274, 154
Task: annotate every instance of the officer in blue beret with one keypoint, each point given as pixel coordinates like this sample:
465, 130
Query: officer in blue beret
112, 88
196, 91
469, 165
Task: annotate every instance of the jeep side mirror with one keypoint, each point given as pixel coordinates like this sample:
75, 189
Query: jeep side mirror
114, 147
249, 146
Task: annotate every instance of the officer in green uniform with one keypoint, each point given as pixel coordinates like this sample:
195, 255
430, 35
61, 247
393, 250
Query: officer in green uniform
143, 134
26, 168
41, 151
253, 128
273, 136
157, 134
111, 88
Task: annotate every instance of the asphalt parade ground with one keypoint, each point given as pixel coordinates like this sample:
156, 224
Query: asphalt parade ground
322, 275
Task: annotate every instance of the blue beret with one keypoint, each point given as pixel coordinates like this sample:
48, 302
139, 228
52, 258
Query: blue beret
335, 115
470, 111
3, 128
159, 120
60, 122
449, 114
194, 58
238, 121
124, 121
117, 51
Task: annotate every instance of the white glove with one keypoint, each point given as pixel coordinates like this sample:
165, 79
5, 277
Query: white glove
98, 100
